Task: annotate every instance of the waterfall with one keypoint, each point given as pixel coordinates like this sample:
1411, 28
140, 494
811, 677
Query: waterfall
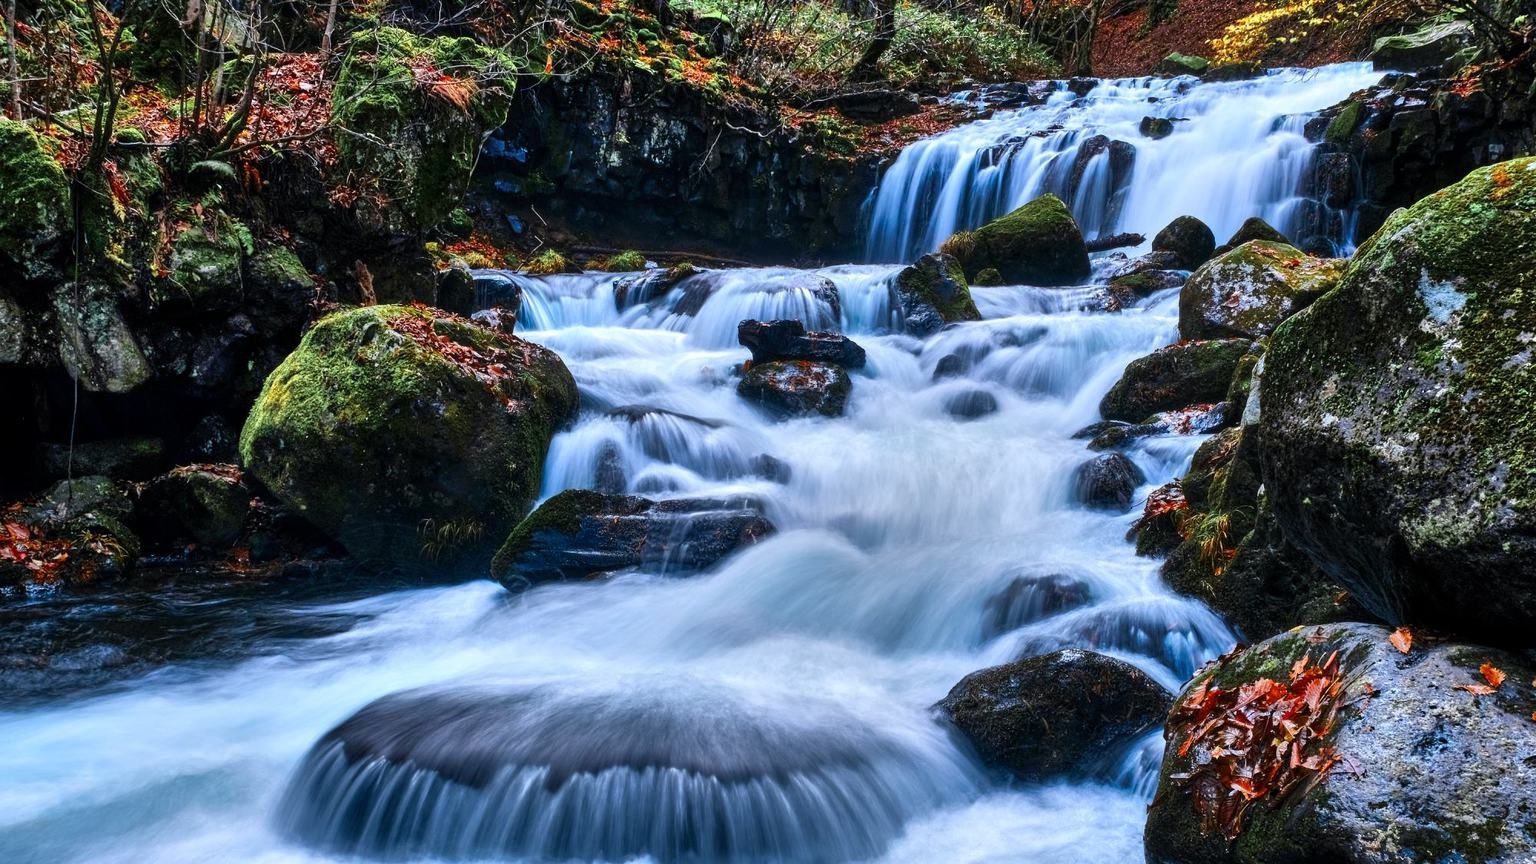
1237, 150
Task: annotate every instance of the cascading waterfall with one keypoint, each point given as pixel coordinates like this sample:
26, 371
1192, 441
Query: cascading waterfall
1237, 150
776, 707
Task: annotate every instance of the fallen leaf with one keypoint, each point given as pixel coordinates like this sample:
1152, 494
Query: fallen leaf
1401, 639
1476, 689
1492, 674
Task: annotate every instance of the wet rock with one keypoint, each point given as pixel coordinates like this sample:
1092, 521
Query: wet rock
1253, 228
877, 106
35, 218
1125, 291
1247, 292
1028, 599
123, 458
1189, 240
206, 504
651, 285
72, 536
988, 278
1151, 262
971, 404
1156, 128
498, 288
932, 293
1107, 482
1118, 434
1432, 46
580, 534
1160, 529
456, 291
788, 340
415, 439
771, 468
1064, 713
609, 478
1037, 244
498, 318
95, 343
1426, 771
1397, 415
951, 366
1335, 179
797, 387
1120, 159
1171, 378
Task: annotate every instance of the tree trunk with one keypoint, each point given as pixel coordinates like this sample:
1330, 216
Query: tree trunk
330, 28
10, 44
884, 34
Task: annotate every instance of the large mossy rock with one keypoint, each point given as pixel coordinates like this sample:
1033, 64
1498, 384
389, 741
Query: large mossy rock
34, 204
580, 534
1399, 411
1037, 244
418, 136
1062, 713
1433, 45
95, 342
1247, 292
413, 437
1189, 373
1416, 768
932, 293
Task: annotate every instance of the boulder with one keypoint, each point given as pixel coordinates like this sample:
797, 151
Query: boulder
1253, 228
1156, 127
1188, 239
1064, 713
412, 437
1247, 292
1433, 46
1107, 482
1037, 244
788, 340
206, 504
1171, 378
797, 387
35, 216
1027, 599
1275, 754
1183, 64
72, 536
932, 293
95, 343
1397, 414
971, 404
579, 534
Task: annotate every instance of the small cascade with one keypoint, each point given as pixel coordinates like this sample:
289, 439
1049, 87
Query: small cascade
1237, 150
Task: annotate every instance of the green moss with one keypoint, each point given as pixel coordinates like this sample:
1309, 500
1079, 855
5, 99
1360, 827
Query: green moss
561, 514
548, 263
420, 140
938, 281
34, 200
1344, 123
625, 262
1183, 64
1037, 244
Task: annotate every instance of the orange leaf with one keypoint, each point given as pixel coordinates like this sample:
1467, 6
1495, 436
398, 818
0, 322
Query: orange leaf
1492, 674
1401, 639
1476, 689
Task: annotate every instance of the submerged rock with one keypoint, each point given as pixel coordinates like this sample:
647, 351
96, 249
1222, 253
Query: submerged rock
1107, 482
797, 388
1413, 767
788, 340
1064, 713
1037, 244
932, 293
580, 534
1028, 599
971, 404
415, 439
1188, 240
1397, 414
1172, 378
1247, 292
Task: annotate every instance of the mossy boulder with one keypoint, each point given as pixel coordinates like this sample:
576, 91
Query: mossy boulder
206, 265
1037, 244
1421, 769
932, 293
1247, 292
797, 388
581, 534
1398, 412
34, 204
71, 536
95, 342
1189, 240
1175, 377
206, 504
1056, 714
415, 438
1183, 64
1433, 45
418, 134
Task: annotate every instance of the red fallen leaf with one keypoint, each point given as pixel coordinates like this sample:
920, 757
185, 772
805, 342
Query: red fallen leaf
1492, 674
1401, 639
1476, 689
18, 531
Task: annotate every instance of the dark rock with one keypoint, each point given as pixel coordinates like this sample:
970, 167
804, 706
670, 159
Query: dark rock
1107, 482
1172, 378
1426, 771
797, 387
498, 288
878, 106
1156, 127
580, 534
1233, 72
1252, 229
788, 340
212, 439
609, 477
206, 504
1037, 244
1120, 160
1160, 528
498, 318
1188, 239
1396, 415
1064, 713
456, 291
771, 468
1152, 262
1335, 179
121, 458
932, 293
951, 366
72, 536
1249, 291
971, 404
1432, 46
1183, 64
1028, 599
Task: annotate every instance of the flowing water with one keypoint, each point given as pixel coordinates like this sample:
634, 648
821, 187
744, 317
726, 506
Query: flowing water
774, 708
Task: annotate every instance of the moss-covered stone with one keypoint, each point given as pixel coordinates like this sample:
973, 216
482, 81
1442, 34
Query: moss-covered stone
205, 264
932, 293
1344, 123
207, 504
1248, 291
414, 438
1037, 244
1183, 64
1398, 411
625, 262
95, 343
1189, 373
418, 135
1188, 239
34, 203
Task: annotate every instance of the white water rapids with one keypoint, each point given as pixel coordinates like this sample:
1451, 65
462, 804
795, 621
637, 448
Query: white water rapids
806, 664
